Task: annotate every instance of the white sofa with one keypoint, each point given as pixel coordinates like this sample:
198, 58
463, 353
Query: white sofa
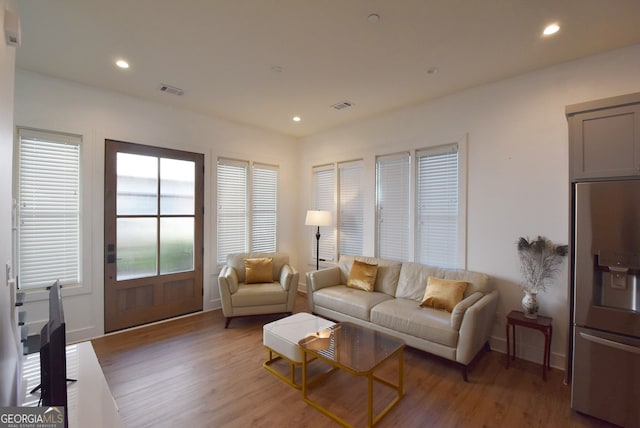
394, 306
241, 299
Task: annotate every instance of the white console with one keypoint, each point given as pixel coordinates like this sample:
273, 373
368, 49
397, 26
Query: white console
89, 400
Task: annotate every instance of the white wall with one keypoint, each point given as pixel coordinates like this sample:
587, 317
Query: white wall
517, 169
8, 329
58, 105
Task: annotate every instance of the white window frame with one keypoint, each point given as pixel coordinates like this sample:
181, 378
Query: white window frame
74, 284
248, 220
413, 237
437, 215
395, 241
324, 198
350, 221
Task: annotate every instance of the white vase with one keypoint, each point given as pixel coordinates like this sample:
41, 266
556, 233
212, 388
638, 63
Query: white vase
530, 304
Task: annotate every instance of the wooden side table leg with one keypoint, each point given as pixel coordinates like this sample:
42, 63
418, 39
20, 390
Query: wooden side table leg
546, 363
549, 351
513, 344
508, 346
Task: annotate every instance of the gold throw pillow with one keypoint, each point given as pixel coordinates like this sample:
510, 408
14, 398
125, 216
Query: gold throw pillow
362, 276
258, 270
443, 293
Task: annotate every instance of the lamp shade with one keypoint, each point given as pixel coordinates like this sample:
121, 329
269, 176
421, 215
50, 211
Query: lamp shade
318, 218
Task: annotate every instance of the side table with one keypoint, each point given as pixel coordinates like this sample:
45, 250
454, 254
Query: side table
541, 323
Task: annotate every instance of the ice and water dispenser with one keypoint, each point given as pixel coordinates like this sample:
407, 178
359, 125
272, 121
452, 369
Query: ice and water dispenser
616, 278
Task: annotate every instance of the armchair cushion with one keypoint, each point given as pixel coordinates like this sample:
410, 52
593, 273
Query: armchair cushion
258, 270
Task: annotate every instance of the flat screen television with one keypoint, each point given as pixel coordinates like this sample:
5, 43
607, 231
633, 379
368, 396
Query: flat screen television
53, 355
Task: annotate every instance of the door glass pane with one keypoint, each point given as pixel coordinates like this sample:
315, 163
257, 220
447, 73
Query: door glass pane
137, 184
177, 187
176, 244
136, 248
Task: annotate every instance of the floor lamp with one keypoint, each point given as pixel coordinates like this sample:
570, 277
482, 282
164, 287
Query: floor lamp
318, 218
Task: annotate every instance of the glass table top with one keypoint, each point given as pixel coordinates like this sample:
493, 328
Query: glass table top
356, 348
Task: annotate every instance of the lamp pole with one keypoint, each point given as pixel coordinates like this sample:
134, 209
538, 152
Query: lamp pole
318, 249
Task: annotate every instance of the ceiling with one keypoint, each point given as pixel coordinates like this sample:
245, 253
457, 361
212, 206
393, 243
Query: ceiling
261, 62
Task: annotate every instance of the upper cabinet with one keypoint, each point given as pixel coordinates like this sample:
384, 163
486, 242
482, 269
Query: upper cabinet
604, 138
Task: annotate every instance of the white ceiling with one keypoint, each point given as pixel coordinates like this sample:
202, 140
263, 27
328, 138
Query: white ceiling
225, 54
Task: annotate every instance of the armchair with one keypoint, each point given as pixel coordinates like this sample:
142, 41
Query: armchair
241, 299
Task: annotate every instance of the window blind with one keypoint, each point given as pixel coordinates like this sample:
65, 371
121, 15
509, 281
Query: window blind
232, 177
437, 206
351, 208
48, 208
324, 181
392, 206
264, 208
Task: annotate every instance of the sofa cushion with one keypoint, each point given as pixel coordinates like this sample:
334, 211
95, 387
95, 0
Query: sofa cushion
349, 301
406, 316
362, 276
270, 293
443, 293
478, 282
386, 278
413, 280
258, 270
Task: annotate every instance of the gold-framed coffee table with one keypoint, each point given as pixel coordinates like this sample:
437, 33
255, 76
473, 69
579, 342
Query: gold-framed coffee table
356, 350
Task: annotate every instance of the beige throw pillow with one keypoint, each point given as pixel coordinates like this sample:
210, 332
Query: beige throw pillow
443, 293
258, 270
362, 276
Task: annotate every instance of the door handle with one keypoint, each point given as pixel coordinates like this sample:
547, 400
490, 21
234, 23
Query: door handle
610, 343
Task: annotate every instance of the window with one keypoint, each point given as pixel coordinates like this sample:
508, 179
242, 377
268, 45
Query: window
351, 208
324, 191
438, 238
247, 207
264, 208
343, 179
392, 206
48, 209
437, 206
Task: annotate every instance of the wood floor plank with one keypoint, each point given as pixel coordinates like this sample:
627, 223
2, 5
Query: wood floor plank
192, 372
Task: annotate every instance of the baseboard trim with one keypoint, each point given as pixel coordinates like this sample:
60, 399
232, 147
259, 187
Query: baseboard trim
528, 352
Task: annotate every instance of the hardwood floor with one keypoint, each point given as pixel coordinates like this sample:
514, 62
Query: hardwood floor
191, 372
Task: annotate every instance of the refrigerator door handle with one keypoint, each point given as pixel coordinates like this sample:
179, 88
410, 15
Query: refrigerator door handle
610, 343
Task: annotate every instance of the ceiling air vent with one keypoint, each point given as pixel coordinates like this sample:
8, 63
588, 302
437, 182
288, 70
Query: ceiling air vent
171, 90
342, 105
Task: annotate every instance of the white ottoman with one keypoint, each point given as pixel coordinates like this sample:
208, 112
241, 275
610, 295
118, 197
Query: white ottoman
281, 338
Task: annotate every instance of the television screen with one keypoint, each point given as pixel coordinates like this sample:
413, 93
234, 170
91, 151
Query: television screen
53, 357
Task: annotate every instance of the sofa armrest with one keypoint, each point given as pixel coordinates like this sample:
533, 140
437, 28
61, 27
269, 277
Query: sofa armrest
286, 275
319, 279
476, 327
322, 278
228, 280
227, 284
458, 310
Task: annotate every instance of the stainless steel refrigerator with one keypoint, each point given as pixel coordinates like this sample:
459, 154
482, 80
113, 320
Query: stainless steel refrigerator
606, 306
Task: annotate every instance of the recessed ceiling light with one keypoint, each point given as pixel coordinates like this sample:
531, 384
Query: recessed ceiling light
296, 118
122, 63
373, 18
551, 29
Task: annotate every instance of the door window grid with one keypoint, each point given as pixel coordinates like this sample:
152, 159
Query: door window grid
155, 215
